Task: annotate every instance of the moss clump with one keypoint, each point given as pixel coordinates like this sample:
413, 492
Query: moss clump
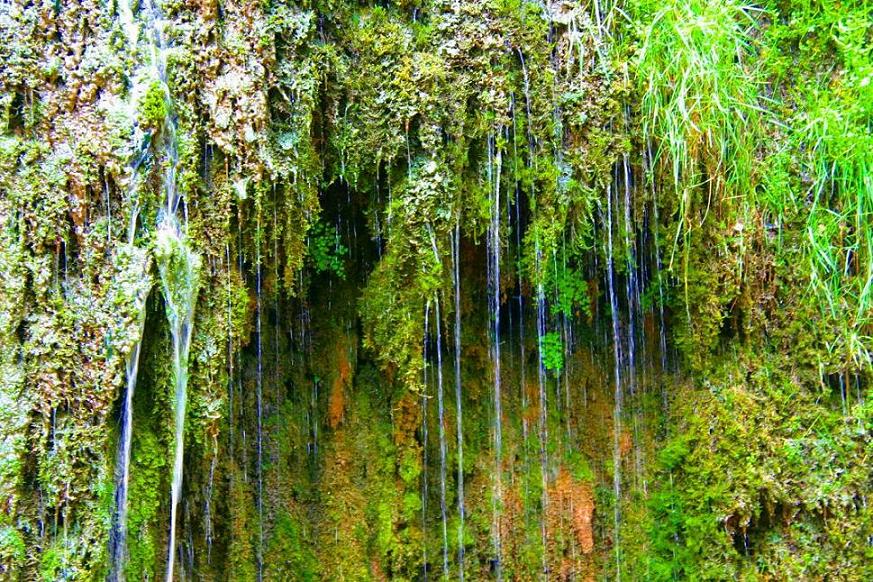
289, 555
552, 352
12, 550
148, 487
153, 107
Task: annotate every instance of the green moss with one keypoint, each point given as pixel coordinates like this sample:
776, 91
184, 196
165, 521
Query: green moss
743, 454
12, 551
673, 453
241, 553
744, 131
289, 556
153, 106
147, 490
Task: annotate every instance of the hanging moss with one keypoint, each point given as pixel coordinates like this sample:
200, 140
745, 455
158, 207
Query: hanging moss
678, 195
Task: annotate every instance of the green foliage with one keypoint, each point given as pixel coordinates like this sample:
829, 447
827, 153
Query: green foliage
153, 106
288, 554
241, 558
12, 550
833, 127
579, 467
147, 484
742, 454
696, 75
552, 351
673, 452
760, 117
570, 290
52, 564
410, 466
325, 252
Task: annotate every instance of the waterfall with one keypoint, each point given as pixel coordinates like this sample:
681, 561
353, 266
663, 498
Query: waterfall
208, 532
260, 408
128, 23
521, 348
494, 170
230, 353
617, 357
543, 429
118, 537
179, 294
442, 434
178, 265
456, 245
662, 328
632, 293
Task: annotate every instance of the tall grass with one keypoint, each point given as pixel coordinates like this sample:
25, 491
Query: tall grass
833, 137
696, 72
725, 119
840, 223
700, 89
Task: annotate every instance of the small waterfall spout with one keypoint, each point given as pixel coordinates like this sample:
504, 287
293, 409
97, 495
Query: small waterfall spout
179, 268
178, 264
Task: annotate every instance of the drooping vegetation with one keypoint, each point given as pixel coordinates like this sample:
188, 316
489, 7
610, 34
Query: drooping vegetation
646, 229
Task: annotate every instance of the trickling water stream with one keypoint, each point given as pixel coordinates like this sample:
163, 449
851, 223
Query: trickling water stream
456, 244
118, 540
441, 417
494, 247
543, 402
424, 438
618, 395
260, 406
337, 462
632, 293
179, 268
